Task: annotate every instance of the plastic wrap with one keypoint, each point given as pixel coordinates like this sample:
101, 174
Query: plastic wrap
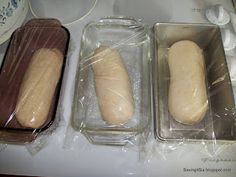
30, 82
231, 61
112, 95
216, 128
112, 39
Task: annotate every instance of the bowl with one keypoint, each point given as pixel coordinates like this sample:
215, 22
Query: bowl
12, 15
66, 12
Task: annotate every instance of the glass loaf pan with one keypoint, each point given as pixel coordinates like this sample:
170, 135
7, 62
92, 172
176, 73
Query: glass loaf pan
131, 39
219, 121
25, 41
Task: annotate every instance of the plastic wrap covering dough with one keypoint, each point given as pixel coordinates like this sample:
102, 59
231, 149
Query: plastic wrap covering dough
113, 87
187, 98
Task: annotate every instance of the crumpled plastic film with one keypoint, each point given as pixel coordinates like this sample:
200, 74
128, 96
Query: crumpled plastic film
2, 147
30, 83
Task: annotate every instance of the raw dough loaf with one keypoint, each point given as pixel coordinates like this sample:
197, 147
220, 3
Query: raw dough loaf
187, 99
113, 86
38, 87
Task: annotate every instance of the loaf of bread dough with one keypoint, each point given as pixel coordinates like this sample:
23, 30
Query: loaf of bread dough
113, 88
38, 87
187, 98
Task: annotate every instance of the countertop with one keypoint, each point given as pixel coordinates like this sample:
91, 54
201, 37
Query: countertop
84, 159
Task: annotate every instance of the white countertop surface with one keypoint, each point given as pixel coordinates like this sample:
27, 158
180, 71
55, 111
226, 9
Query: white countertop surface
82, 158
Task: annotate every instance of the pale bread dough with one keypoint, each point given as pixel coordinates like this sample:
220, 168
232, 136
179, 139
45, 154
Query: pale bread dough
38, 87
187, 98
113, 86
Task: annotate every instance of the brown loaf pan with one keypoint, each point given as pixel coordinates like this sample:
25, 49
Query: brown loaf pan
36, 34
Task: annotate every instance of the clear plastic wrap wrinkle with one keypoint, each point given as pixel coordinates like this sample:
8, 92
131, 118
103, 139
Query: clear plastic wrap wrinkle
30, 81
113, 88
112, 94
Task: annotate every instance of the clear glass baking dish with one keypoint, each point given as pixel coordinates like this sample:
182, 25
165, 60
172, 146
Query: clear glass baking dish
25, 41
131, 39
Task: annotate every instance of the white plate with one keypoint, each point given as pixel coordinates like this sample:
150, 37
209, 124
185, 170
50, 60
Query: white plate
13, 21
